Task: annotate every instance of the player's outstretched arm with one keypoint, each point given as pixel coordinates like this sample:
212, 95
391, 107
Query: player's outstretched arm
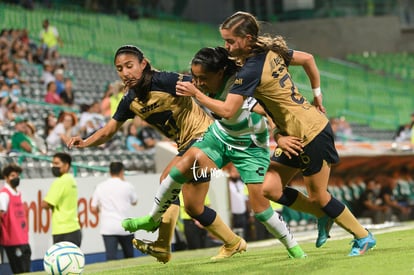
99, 137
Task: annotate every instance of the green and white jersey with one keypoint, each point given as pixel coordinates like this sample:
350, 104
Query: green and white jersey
244, 128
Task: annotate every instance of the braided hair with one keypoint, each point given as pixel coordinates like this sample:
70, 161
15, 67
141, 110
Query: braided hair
244, 23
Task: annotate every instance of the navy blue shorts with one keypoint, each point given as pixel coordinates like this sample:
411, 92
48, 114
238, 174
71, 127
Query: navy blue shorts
310, 161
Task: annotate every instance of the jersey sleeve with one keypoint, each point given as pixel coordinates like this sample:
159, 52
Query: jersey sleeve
251, 102
248, 78
290, 53
54, 194
123, 112
166, 81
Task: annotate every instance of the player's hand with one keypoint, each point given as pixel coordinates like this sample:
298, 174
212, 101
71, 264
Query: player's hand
185, 88
291, 146
74, 142
317, 101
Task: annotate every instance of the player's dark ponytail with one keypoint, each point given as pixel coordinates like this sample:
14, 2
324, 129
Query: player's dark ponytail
214, 60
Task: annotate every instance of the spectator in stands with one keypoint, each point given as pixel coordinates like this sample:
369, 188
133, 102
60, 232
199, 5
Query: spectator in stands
370, 204
14, 233
113, 94
62, 199
47, 73
59, 81
21, 53
116, 96
68, 95
388, 184
5, 43
113, 199
4, 94
6, 104
91, 119
66, 127
341, 128
6, 63
50, 123
106, 101
52, 96
133, 143
11, 77
49, 38
403, 132
15, 92
25, 39
20, 141
58, 62
39, 56
39, 142
405, 188
148, 135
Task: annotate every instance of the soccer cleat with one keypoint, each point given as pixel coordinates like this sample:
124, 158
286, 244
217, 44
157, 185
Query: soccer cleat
162, 254
362, 245
144, 223
227, 252
324, 226
296, 252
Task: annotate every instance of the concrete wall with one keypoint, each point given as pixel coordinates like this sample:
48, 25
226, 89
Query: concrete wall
340, 36
327, 37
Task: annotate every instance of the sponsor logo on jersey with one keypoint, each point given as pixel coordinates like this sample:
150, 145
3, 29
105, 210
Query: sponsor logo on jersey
149, 108
260, 171
238, 81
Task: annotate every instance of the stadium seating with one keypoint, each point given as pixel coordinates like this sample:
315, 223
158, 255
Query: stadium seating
366, 95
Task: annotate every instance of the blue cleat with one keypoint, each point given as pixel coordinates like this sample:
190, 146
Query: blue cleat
360, 246
144, 223
324, 226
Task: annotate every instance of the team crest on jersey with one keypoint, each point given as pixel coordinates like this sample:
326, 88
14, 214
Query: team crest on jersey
278, 152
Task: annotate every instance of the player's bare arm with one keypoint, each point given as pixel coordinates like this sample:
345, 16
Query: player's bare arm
99, 137
307, 61
225, 109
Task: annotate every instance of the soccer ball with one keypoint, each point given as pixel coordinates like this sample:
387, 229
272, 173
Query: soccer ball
64, 258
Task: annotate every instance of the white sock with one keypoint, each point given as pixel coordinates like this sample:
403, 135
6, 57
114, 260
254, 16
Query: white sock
167, 192
278, 228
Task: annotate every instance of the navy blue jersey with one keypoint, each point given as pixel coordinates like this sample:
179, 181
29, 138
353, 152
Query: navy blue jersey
266, 77
176, 117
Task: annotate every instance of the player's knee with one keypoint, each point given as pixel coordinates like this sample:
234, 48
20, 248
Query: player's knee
194, 211
271, 194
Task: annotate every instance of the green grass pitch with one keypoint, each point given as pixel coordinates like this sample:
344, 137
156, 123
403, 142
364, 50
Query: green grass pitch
394, 254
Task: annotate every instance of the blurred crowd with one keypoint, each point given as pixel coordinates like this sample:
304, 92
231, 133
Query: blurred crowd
66, 118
